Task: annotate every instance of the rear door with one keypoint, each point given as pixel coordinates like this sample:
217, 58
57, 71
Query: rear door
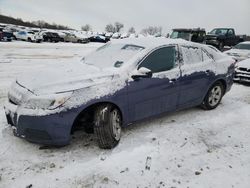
197, 71
159, 93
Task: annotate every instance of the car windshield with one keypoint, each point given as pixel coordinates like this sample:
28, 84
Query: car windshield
180, 34
243, 46
219, 32
112, 55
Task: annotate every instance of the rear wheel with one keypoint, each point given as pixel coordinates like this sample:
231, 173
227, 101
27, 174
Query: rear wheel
107, 126
213, 97
29, 40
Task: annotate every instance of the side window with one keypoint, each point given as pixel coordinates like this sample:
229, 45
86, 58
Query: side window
230, 32
191, 55
162, 59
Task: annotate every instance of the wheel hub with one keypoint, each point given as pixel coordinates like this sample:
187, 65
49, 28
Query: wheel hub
116, 121
215, 96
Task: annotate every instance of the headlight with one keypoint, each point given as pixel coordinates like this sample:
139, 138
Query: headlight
49, 102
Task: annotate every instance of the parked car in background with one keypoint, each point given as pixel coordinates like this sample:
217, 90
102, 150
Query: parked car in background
51, 37
29, 36
116, 35
242, 71
98, 38
194, 35
1, 35
82, 38
108, 35
117, 85
133, 35
240, 52
7, 36
125, 35
76, 38
221, 37
70, 38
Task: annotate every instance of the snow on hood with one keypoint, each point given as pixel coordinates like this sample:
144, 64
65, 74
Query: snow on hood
63, 79
245, 63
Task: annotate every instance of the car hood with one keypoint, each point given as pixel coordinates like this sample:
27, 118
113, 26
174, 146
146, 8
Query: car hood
67, 78
244, 64
238, 52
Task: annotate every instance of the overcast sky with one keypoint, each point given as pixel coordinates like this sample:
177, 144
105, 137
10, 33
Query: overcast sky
138, 13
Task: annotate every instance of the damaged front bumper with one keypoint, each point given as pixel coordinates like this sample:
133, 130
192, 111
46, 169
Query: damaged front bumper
38, 127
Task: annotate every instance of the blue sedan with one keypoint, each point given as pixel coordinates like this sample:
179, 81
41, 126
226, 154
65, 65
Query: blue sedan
122, 82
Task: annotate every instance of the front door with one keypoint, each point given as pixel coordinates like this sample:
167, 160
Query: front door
157, 94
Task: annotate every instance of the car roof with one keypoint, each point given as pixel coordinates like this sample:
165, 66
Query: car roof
189, 29
223, 28
149, 42
246, 42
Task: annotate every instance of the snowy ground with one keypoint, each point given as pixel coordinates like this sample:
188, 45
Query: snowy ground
191, 148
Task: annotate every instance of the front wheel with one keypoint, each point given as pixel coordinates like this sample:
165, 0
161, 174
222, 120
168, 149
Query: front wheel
213, 97
107, 126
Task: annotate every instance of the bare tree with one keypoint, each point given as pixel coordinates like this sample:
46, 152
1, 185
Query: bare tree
118, 26
152, 30
86, 27
131, 30
110, 28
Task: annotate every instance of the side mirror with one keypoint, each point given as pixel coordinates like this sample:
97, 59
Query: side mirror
142, 73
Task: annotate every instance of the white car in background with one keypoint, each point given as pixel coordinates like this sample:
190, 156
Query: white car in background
133, 35
125, 35
29, 36
116, 36
242, 71
240, 52
109, 35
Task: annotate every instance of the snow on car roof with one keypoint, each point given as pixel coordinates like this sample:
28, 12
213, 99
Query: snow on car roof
151, 42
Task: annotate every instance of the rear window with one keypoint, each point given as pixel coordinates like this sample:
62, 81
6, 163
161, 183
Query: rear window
191, 54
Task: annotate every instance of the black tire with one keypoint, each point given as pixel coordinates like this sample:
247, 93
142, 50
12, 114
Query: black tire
29, 40
107, 126
214, 96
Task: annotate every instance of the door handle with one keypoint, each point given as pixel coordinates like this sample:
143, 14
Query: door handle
172, 80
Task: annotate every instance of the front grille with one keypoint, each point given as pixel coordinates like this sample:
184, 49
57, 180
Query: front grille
244, 69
